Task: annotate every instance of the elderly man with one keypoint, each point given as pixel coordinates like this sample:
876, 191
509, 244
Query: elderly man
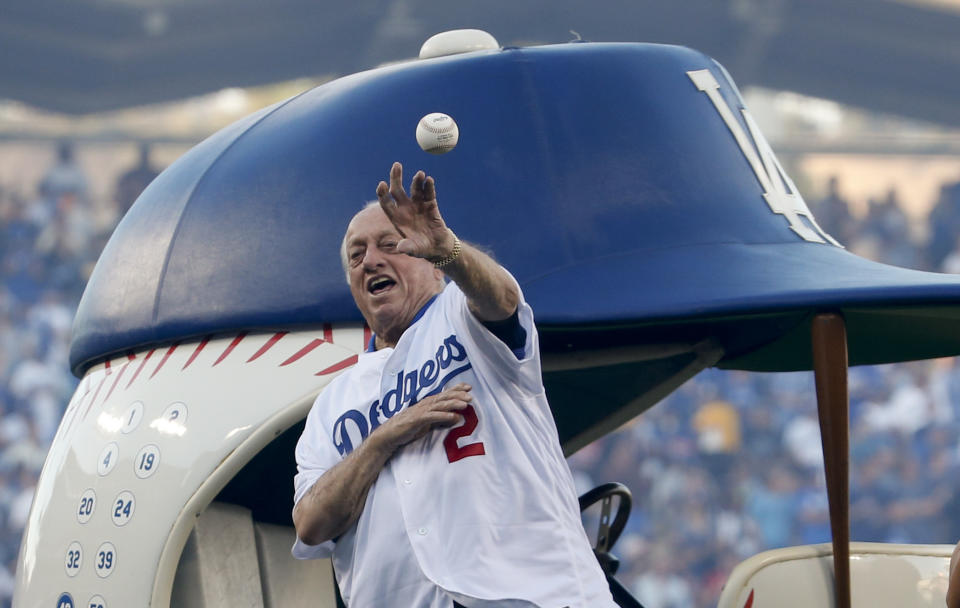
431, 470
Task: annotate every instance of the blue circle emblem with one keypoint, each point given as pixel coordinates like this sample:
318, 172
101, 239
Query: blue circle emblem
65, 601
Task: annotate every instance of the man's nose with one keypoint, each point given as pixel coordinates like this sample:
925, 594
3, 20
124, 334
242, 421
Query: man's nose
373, 258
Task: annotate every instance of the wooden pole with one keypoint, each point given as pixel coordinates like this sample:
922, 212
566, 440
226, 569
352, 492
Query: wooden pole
829, 339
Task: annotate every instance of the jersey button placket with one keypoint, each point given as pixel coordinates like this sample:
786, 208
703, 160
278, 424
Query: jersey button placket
422, 531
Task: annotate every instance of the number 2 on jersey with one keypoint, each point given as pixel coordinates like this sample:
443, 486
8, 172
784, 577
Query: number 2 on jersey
457, 452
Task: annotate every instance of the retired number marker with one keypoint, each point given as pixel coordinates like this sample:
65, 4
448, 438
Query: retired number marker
108, 459
73, 559
97, 601
88, 502
105, 560
123, 507
175, 412
132, 417
147, 461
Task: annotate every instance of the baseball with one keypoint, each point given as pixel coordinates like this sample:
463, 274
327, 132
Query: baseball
437, 133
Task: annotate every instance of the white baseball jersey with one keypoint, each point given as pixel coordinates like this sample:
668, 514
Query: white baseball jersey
486, 512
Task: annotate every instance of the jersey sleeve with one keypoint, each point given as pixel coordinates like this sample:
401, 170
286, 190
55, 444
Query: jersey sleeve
315, 454
517, 366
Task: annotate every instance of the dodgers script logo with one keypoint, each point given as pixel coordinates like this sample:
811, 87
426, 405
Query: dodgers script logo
409, 389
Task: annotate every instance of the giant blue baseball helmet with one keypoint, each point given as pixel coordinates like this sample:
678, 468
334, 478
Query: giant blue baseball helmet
624, 185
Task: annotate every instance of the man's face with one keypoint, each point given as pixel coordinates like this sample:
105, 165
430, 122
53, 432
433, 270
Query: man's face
388, 287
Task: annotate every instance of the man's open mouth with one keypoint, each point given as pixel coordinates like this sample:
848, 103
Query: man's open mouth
380, 284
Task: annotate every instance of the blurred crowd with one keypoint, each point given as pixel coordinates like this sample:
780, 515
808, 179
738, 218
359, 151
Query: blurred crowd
731, 463
49, 241
727, 466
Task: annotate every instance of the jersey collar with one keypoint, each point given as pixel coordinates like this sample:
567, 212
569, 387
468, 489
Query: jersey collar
372, 344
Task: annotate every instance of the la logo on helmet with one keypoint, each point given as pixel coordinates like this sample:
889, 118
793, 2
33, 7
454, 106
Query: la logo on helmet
778, 189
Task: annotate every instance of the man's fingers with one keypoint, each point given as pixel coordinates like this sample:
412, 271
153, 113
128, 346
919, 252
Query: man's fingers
387, 203
396, 182
445, 421
408, 247
460, 391
445, 415
457, 401
453, 404
429, 190
462, 394
459, 387
416, 186
456, 398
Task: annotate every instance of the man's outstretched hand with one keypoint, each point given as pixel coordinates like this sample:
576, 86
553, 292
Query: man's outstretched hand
416, 216
492, 294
